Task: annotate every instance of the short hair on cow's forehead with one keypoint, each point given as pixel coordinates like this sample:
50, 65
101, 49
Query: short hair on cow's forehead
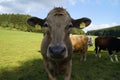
59, 8
58, 11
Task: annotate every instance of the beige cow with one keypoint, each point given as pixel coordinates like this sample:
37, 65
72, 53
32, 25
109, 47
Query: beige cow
80, 44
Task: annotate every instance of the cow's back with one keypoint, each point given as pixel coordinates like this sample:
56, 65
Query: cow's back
78, 41
107, 42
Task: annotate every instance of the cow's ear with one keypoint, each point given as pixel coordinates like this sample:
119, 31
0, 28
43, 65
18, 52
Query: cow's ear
81, 23
34, 20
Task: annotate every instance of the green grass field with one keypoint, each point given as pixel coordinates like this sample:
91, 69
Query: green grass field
20, 60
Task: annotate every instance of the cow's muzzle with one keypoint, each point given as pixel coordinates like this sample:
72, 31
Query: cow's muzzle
57, 52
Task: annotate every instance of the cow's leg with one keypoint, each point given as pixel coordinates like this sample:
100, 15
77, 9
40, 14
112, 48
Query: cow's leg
82, 55
50, 72
85, 53
51, 77
96, 51
111, 58
68, 67
116, 58
111, 55
85, 56
99, 54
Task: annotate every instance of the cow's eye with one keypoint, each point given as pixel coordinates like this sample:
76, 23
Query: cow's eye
45, 24
69, 26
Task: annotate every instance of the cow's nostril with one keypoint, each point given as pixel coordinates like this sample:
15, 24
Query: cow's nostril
57, 49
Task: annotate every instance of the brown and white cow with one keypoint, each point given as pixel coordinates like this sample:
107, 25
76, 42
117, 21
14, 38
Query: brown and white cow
80, 44
56, 46
108, 43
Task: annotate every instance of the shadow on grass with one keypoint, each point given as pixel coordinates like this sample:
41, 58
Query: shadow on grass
30, 70
92, 69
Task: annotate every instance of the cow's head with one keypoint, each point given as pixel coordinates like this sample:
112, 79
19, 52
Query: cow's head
58, 23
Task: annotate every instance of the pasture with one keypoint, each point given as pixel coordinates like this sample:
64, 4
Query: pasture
20, 59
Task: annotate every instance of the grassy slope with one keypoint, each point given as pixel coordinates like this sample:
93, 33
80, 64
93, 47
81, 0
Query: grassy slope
20, 60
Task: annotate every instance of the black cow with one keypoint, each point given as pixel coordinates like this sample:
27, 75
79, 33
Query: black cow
107, 43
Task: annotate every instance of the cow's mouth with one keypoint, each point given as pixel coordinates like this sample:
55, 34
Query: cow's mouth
57, 56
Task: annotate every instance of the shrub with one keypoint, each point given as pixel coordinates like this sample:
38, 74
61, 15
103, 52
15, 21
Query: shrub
77, 31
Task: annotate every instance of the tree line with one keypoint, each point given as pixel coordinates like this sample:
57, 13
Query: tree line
18, 21
113, 31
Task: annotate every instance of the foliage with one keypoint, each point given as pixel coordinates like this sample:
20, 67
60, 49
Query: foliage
113, 31
16, 21
77, 31
20, 60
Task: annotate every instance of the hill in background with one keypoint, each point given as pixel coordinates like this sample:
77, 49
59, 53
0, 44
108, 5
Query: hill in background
113, 31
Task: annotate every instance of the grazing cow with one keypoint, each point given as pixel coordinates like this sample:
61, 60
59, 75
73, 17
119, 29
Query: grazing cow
90, 41
107, 43
80, 44
56, 47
